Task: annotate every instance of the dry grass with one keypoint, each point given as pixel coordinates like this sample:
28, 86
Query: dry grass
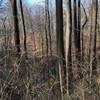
24, 78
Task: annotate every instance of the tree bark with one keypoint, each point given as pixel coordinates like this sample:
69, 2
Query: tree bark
79, 31
46, 30
23, 21
16, 25
60, 38
83, 26
94, 35
75, 24
68, 39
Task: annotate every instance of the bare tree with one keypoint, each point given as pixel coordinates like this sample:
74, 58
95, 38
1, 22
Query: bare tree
75, 23
46, 31
82, 32
16, 25
94, 35
68, 38
23, 20
48, 26
79, 31
60, 37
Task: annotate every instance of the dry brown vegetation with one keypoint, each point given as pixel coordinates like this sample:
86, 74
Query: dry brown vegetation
41, 71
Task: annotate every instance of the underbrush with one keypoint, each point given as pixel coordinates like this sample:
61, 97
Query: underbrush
26, 78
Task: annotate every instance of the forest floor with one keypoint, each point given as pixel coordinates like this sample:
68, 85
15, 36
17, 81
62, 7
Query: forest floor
24, 78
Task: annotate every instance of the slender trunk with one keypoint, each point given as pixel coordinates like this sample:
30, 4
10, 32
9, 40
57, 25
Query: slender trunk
46, 31
79, 56
94, 36
75, 23
79, 31
22, 14
16, 25
94, 63
60, 39
68, 46
48, 24
49, 27
90, 40
85, 22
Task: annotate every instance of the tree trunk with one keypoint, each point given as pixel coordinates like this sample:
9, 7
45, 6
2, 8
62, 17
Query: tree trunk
60, 38
82, 32
94, 35
75, 24
16, 25
79, 31
68, 38
46, 30
22, 14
